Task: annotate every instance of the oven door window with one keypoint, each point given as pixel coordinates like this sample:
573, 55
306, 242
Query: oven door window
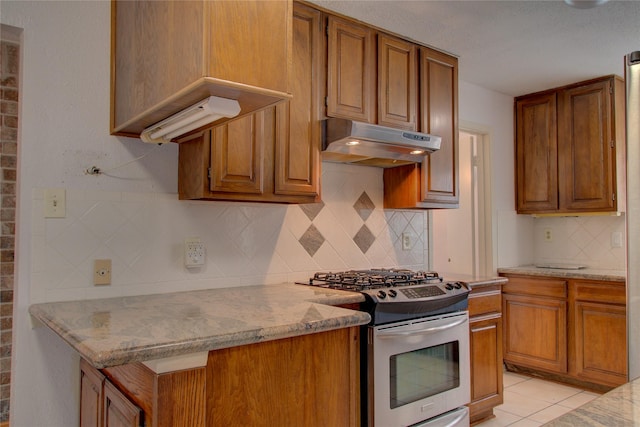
423, 373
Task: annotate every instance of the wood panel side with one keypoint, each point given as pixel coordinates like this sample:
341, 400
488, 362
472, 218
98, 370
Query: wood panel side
250, 42
401, 187
289, 385
194, 153
181, 398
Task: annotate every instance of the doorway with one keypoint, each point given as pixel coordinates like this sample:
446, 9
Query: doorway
461, 239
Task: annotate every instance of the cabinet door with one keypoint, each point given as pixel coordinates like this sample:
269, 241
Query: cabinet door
601, 342
397, 83
486, 365
439, 116
536, 154
118, 410
535, 332
237, 155
91, 383
351, 79
586, 154
297, 159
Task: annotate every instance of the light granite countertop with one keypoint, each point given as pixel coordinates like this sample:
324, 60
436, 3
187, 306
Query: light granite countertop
583, 273
475, 281
620, 407
115, 331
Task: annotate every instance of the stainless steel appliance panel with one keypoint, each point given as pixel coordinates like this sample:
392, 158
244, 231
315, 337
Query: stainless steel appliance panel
419, 369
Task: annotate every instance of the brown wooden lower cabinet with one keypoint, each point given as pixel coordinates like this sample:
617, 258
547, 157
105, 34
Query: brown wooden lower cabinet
102, 404
570, 330
599, 332
485, 331
310, 380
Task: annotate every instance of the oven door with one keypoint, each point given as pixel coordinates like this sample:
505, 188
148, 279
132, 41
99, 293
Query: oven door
419, 369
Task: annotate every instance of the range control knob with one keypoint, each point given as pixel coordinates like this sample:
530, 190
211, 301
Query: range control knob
457, 285
382, 294
393, 293
448, 286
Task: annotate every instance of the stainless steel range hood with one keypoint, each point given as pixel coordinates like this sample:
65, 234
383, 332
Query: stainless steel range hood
348, 141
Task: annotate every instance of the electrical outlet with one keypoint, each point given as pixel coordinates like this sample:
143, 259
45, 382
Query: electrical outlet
406, 241
54, 203
616, 239
548, 235
102, 272
194, 252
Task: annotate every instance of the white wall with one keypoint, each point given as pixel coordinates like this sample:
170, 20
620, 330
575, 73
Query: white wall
452, 230
132, 214
491, 113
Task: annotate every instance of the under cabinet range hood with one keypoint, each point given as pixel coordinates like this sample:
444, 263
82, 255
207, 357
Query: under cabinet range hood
348, 141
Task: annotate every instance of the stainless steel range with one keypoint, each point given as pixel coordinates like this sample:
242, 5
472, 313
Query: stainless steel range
415, 350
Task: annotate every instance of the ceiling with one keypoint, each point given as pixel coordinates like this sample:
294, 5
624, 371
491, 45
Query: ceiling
514, 47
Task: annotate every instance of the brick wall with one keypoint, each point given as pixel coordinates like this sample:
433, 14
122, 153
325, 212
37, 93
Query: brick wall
9, 73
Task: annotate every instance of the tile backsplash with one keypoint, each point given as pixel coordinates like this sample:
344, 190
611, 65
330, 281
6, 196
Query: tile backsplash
143, 234
585, 240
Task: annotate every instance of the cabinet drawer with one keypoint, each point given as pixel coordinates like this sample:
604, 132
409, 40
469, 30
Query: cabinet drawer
487, 302
611, 292
539, 287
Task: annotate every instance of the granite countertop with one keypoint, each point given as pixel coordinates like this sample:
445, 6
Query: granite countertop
116, 331
475, 281
583, 273
619, 407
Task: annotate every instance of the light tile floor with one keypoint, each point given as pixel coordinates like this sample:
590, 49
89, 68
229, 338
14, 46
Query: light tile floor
531, 402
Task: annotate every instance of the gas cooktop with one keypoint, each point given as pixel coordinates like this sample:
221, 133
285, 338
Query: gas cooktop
396, 294
361, 280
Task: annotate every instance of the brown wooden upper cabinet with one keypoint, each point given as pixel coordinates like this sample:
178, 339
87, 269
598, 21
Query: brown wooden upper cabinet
272, 155
369, 69
169, 55
434, 183
570, 148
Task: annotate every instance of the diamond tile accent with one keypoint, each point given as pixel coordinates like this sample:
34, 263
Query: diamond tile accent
311, 210
364, 238
311, 240
364, 206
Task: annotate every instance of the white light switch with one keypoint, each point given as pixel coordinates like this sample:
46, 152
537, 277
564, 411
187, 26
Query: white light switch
54, 203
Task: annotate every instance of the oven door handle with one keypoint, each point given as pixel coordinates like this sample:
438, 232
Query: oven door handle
394, 333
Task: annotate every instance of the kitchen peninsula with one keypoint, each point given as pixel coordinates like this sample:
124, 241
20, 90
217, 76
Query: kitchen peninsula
245, 355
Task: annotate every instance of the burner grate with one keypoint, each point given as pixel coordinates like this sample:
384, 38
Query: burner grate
359, 280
